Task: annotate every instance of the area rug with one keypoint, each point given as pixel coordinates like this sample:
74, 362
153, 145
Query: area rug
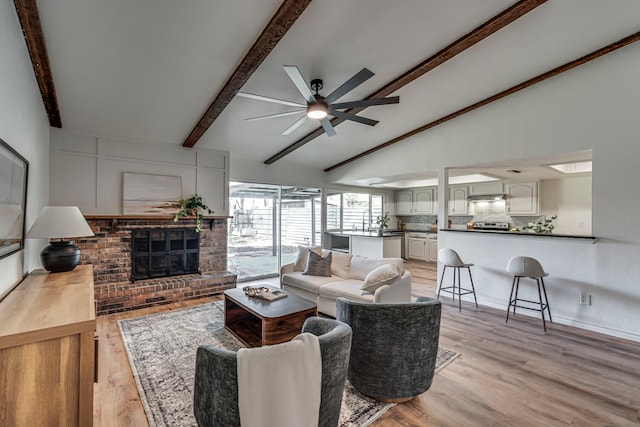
162, 353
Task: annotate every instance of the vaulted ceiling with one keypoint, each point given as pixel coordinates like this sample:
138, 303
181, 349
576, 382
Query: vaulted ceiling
166, 71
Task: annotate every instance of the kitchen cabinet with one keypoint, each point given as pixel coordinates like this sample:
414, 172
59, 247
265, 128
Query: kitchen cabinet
423, 201
417, 246
404, 202
522, 198
481, 188
418, 201
47, 350
433, 247
458, 204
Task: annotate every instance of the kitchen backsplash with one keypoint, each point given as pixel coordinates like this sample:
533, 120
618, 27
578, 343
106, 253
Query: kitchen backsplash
490, 211
494, 212
423, 222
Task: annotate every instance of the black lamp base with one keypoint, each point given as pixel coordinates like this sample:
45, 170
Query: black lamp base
60, 256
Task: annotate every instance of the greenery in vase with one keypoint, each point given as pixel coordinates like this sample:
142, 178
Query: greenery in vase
383, 220
542, 227
193, 206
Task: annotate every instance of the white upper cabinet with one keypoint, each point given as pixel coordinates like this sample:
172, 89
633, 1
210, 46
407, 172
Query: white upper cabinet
481, 188
423, 201
419, 201
458, 204
522, 198
404, 202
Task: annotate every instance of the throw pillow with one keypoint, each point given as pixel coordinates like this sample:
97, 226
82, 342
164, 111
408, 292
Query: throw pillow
303, 253
379, 276
317, 265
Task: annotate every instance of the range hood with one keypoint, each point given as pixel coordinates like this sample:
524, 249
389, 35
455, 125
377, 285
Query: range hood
487, 197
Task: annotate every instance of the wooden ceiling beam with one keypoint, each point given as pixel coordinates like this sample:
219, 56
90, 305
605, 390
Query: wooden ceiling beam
544, 76
32, 30
480, 33
288, 12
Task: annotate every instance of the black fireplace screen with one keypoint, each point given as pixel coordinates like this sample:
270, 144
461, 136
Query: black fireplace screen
162, 252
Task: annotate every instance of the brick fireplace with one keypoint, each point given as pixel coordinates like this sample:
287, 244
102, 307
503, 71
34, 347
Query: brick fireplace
110, 253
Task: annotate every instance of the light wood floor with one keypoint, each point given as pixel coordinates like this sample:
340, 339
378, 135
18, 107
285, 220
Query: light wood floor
507, 375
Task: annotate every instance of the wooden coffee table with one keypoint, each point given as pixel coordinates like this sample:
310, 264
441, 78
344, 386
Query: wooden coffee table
257, 322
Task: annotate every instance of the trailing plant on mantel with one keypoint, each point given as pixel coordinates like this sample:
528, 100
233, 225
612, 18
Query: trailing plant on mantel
542, 227
193, 207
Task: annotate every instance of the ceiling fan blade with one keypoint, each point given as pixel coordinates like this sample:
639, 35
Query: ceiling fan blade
269, 99
354, 118
328, 127
359, 78
295, 126
296, 77
272, 116
366, 102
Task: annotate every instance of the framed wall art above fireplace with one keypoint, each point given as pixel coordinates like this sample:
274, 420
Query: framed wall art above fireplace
14, 172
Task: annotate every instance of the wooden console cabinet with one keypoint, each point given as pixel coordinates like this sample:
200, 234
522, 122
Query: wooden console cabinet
47, 350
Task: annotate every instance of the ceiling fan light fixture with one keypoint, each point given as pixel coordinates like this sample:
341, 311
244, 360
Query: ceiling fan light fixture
317, 111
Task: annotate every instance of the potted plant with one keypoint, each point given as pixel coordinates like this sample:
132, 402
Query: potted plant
383, 222
193, 206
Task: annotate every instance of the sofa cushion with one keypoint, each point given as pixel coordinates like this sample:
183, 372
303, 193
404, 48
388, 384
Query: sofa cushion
340, 262
307, 283
303, 254
379, 276
348, 288
361, 266
318, 265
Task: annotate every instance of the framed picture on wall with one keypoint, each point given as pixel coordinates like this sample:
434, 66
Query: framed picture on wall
14, 172
146, 194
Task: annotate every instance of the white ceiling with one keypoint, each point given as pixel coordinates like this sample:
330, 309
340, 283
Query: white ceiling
148, 69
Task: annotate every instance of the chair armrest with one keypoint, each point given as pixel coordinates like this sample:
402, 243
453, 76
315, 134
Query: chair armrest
398, 291
215, 391
287, 269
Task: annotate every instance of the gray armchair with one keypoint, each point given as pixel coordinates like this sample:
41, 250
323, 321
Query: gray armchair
394, 347
215, 400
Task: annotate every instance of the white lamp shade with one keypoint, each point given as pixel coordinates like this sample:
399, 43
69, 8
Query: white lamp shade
60, 222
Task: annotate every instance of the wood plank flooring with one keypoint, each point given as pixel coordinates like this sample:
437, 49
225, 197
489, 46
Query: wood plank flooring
508, 374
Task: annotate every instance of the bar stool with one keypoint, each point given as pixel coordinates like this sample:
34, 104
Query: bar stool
450, 258
523, 266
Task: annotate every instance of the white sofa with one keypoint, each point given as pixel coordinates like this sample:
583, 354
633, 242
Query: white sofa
348, 275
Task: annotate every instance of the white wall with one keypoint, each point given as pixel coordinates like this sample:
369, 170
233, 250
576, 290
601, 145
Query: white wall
87, 168
280, 173
594, 106
570, 199
24, 126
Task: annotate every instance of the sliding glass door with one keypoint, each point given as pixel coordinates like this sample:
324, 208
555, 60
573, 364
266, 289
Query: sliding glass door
269, 223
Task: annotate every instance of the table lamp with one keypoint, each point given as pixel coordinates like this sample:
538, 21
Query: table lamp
60, 222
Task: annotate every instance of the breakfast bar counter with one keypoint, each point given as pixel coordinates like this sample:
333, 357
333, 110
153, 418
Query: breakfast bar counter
570, 261
576, 237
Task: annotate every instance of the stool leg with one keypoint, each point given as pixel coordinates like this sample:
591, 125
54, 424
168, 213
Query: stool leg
453, 289
459, 291
441, 279
544, 290
544, 325
472, 287
513, 286
515, 300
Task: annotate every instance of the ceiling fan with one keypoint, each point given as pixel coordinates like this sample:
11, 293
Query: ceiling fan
318, 106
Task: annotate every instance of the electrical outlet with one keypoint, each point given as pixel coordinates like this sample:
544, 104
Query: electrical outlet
585, 299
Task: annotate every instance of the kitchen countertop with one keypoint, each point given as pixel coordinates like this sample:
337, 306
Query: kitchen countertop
390, 233
592, 239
